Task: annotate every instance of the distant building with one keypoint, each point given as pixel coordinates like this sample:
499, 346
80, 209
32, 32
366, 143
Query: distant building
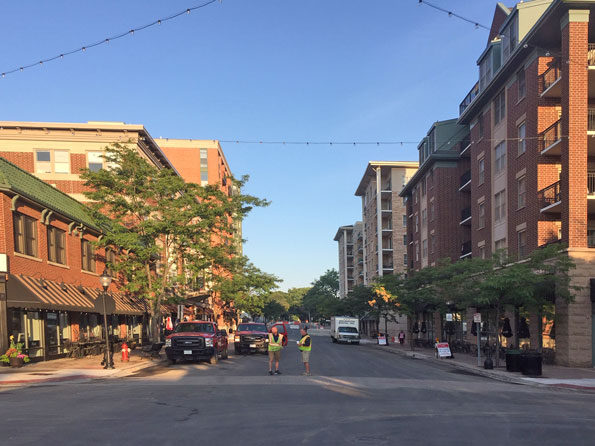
350, 244
384, 217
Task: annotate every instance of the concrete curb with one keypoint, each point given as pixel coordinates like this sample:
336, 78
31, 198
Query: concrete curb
466, 367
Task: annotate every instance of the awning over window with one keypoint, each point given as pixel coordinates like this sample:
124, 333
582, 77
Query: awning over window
34, 293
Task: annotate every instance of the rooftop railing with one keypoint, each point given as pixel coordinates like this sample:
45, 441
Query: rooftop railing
469, 98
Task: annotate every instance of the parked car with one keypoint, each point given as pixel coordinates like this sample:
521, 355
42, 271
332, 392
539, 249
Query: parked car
195, 341
251, 337
282, 328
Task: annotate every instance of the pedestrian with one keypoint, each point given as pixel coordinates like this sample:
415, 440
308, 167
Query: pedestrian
305, 346
402, 337
275, 346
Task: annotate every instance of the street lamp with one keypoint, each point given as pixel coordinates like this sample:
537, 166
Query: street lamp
105, 280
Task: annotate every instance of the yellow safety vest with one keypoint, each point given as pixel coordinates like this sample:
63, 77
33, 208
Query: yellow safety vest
301, 345
275, 346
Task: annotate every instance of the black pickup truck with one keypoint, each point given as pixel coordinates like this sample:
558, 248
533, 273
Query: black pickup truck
251, 337
196, 340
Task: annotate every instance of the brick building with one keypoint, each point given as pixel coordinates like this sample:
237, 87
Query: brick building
56, 152
203, 162
49, 272
527, 175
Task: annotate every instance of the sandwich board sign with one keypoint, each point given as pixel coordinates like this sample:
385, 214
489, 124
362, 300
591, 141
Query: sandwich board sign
443, 350
381, 340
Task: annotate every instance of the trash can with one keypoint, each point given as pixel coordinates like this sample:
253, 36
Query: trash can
513, 360
531, 363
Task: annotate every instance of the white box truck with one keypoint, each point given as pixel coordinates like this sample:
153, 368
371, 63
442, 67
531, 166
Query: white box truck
345, 329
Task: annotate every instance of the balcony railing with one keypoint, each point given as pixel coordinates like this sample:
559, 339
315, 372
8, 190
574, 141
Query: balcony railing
550, 76
591, 54
591, 121
550, 135
465, 143
469, 98
465, 213
465, 178
466, 248
549, 195
591, 182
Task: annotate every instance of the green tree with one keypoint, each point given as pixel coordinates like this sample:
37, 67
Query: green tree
273, 310
322, 300
169, 233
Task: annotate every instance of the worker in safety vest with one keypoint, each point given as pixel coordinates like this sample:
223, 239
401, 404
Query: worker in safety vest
305, 346
275, 346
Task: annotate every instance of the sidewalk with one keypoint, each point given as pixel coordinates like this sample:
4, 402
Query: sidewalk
67, 369
553, 375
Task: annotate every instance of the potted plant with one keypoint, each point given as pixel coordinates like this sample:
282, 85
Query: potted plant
14, 355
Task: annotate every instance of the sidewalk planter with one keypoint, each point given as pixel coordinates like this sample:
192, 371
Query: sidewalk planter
531, 363
16, 362
513, 360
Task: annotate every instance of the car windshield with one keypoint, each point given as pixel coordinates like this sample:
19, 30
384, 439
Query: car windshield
280, 328
347, 330
252, 327
194, 328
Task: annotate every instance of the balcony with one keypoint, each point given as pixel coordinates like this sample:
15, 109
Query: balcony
469, 98
465, 181
591, 55
466, 249
549, 199
551, 87
549, 142
466, 216
386, 206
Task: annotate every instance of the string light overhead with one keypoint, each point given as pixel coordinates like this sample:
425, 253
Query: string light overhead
453, 14
84, 48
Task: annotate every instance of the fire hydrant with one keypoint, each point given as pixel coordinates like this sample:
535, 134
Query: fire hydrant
125, 352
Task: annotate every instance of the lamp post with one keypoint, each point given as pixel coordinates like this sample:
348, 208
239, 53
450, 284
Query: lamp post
105, 279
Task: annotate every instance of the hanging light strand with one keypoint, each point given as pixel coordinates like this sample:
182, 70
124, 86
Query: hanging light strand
130, 32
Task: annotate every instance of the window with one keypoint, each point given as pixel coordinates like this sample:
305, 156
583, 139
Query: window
432, 244
499, 107
110, 259
432, 211
25, 234
404, 239
424, 248
500, 245
500, 205
481, 223
415, 195
431, 179
405, 259
482, 252
416, 223
480, 125
500, 157
404, 220
95, 161
522, 86
424, 218
43, 162
485, 72
522, 243
521, 191
204, 167
416, 252
423, 187
481, 168
521, 132
87, 256
56, 245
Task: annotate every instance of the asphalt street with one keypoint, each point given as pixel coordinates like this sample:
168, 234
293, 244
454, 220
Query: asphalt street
357, 395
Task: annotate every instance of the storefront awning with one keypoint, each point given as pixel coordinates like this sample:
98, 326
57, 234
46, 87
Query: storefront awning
34, 293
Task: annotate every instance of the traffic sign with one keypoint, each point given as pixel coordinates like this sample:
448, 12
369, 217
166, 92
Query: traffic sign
477, 318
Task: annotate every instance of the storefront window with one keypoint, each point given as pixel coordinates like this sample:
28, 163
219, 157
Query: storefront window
33, 334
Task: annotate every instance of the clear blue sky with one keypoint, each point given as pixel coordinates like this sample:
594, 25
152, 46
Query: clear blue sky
259, 69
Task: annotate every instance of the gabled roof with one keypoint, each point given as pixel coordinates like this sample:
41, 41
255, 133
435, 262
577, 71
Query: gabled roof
16, 180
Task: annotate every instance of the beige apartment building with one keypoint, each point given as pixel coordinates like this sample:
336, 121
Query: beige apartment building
351, 257
384, 218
